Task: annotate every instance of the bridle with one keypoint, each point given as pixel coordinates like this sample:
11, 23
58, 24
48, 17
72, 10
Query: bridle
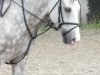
61, 22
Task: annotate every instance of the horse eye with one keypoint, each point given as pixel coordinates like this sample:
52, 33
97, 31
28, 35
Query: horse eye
68, 9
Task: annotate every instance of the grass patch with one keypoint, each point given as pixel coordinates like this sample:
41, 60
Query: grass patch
90, 26
83, 26
42, 27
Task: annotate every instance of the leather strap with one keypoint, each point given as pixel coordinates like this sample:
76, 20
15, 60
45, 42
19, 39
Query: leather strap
2, 13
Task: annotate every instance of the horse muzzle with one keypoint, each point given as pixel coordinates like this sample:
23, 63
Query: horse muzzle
71, 37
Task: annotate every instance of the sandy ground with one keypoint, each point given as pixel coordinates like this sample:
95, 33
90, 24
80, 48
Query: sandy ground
50, 56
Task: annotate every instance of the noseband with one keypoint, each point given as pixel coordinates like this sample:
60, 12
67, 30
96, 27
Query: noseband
61, 21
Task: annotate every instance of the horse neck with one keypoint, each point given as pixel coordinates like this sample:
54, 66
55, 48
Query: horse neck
38, 8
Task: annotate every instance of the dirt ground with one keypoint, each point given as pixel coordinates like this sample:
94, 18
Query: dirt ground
50, 56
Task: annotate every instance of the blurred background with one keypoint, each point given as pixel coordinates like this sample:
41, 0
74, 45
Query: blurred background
90, 14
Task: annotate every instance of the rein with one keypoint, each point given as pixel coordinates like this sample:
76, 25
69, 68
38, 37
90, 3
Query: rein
1, 8
48, 23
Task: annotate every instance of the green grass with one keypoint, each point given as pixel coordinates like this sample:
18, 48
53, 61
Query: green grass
90, 26
83, 26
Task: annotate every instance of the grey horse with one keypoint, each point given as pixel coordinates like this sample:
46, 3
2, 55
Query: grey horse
15, 38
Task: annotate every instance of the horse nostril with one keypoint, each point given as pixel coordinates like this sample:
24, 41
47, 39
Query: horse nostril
68, 9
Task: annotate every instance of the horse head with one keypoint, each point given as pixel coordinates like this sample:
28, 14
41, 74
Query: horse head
65, 17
